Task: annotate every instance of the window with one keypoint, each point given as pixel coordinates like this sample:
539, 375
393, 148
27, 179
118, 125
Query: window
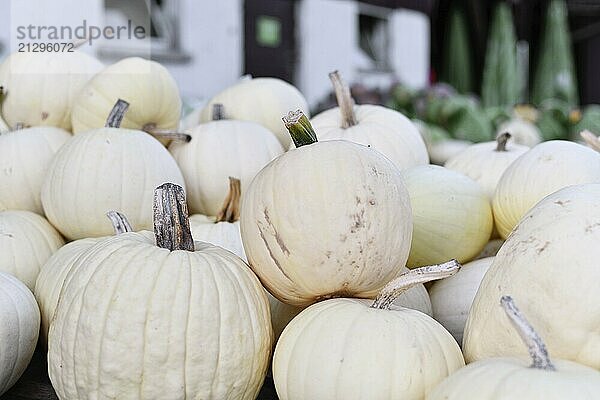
373, 35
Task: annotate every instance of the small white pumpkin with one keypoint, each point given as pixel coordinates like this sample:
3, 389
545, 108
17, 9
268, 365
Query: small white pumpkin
146, 85
26, 242
359, 349
452, 216
25, 156
486, 162
549, 263
451, 298
105, 169
512, 379
42, 88
260, 100
522, 131
218, 150
326, 219
380, 128
160, 318
19, 327
541, 171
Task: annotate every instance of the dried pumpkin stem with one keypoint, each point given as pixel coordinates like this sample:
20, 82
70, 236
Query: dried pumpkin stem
230, 211
395, 288
119, 222
502, 140
171, 221
590, 139
533, 341
117, 114
344, 100
218, 112
166, 133
300, 129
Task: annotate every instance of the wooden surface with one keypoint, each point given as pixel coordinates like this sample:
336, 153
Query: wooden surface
35, 384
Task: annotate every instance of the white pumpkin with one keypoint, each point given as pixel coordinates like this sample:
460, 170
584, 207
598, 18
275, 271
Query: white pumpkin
260, 100
451, 213
25, 156
359, 349
490, 249
504, 378
101, 170
146, 85
523, 132
549, 263
26, 242
19, 327
451, 298
42, 88
172, 320
218, 150
381, 128
327, 219
486, 162
541, 171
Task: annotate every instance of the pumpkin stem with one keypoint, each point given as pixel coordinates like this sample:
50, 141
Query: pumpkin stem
119, 222
590, 139
502, 140
401, 284
166, 133
171, 221
300, 129
218, 112
533, 341
230, 211
344, 100
117, 114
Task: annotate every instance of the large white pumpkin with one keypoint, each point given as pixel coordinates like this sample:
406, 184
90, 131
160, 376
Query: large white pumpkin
355, 349
41, 88
452, 215
546, 168
260, 100
19, 327
25, 156
328, 219
172, 320
26, 242
549, 263
218, 150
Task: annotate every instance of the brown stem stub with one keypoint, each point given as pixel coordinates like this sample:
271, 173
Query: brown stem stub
218, 112
117, 114
171, 221
533, 341
502, 140
166, 133
344, 100
119, 222
230, 211
395, 288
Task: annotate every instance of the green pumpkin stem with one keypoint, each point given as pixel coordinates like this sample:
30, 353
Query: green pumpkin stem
171, 220
230, 211
401, 284
119, 222
117, 114
533, 341
502, 140
218, 112
344, 100
300, 129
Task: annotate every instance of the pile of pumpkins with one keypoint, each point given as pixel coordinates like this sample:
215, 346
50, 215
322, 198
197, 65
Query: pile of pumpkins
160, 258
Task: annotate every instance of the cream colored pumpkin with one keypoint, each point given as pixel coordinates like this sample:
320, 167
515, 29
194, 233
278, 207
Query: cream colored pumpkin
25, 156
451, 298
178, 320
523, 132
101, 170
452, 215
42, 88
328, 219
549, 263
486, 162
351, 349
19, 327
218, 150
146, 85
541, 171
504, 378
260, 100
26, 242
